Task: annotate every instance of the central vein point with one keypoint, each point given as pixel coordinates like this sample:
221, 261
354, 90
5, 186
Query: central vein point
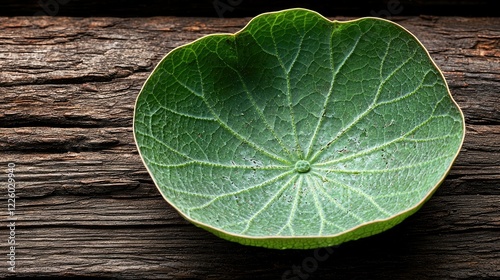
302, 166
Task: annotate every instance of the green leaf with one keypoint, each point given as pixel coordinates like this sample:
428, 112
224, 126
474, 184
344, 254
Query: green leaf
297, 131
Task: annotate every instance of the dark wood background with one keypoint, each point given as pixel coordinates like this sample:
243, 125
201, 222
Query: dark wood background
86, 207
241, 8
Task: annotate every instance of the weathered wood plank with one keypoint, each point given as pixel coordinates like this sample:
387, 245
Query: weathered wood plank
86, 206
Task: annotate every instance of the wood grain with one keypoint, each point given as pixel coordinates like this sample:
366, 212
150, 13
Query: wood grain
86, 206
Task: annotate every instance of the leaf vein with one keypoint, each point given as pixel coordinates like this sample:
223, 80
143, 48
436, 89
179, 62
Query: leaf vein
263, 184
293, 209
386, 144
342, 208
229, 129
330, 90
268, 203
386, 170
361, 193
368, 110
321, 214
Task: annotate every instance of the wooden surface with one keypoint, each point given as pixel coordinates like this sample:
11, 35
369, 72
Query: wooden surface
86, 206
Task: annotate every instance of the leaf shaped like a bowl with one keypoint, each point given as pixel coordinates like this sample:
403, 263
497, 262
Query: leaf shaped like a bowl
298, 132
